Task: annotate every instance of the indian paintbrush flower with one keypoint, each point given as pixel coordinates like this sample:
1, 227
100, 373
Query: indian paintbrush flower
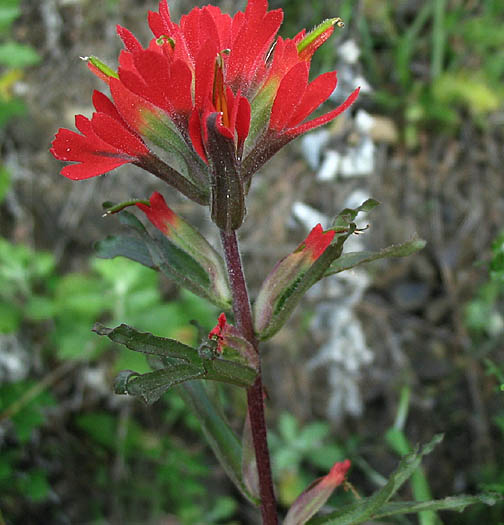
204, 105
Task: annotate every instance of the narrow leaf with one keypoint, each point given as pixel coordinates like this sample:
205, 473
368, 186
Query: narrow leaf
365, 509
454, 503
219, 435
153, 385
229, 372
124, 246
352, 259
149, 344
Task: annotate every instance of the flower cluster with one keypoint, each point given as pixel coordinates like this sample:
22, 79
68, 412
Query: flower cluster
204, 105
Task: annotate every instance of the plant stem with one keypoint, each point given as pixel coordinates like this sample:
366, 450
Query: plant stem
243, 318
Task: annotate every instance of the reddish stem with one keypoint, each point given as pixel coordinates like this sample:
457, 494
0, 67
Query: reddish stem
243, 318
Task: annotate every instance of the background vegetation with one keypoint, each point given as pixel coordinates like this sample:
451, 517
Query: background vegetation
72, 452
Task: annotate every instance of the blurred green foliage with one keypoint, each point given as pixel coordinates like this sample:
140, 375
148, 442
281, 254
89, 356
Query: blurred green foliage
437, 64
484, 318
14, 58
484, 315
299, 451
57, 312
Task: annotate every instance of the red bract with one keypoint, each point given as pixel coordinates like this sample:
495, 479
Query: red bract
216, 93
316, 242
105, 142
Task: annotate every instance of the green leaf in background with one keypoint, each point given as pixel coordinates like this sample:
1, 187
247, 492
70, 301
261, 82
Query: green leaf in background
11, 108
81, 296
5, 182
11, 317
31, 414
104, 429
467, 89
21, 268
34, 485
9, 11
17, 55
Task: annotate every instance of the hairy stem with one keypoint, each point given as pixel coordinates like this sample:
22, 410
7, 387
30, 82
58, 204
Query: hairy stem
172, 177
243, 318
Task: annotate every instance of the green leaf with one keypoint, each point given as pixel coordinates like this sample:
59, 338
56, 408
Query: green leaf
11, 108
124, 246
5, 182
177, 264
29, 415
348, 215
229, 372
219, 435
149, 344
17, 55
365, 510
10, 318
8, 13
121, 381
35, 485
352, 259
186, 363
81, 296
285, 302
153, 385
172, 261
455, 503
40, 308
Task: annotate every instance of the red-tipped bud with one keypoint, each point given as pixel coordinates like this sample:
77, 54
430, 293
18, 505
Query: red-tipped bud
181, 234
284, 279
314, 497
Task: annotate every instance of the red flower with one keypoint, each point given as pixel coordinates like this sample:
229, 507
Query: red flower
215, 92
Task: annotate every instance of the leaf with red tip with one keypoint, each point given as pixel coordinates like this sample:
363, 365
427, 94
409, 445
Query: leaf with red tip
314, 497
197, 252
